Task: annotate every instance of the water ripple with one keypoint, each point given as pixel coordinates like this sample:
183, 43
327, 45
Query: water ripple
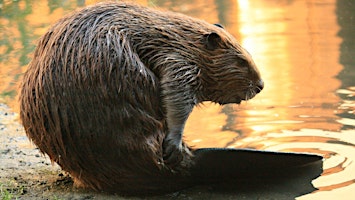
338, 150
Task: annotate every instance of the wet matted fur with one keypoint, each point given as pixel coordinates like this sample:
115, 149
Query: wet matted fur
108, 85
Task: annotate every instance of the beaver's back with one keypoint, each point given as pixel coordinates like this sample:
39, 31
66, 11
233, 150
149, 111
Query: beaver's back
89, 102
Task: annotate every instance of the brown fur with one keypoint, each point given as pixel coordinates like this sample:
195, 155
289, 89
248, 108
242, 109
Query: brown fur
105, 81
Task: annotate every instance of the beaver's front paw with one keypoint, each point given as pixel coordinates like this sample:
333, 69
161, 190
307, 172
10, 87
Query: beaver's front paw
176, 156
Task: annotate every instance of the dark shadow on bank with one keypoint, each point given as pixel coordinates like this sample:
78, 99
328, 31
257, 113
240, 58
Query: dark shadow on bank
221, 173
251, 174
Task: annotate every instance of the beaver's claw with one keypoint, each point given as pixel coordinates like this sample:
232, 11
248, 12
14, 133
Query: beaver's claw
176, 156
172, 153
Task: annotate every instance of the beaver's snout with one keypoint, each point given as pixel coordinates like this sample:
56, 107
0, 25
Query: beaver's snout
252, 91
259, 86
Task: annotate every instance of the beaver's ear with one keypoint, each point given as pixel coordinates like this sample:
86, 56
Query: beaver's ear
212, 40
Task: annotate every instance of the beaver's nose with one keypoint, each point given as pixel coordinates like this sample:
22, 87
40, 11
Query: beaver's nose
259, 86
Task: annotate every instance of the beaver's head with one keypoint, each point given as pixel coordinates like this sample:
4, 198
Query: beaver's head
230, 74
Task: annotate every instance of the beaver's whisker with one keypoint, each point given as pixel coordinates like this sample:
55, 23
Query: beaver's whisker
247, 95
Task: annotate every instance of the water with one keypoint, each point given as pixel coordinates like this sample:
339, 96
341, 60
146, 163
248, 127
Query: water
305, 51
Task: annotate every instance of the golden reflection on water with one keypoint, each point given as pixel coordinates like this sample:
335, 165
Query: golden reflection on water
298, 56
338, 150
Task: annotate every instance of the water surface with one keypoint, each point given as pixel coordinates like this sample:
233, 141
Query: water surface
305, 51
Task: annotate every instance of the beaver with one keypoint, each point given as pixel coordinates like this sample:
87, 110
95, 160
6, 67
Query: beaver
110, 87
